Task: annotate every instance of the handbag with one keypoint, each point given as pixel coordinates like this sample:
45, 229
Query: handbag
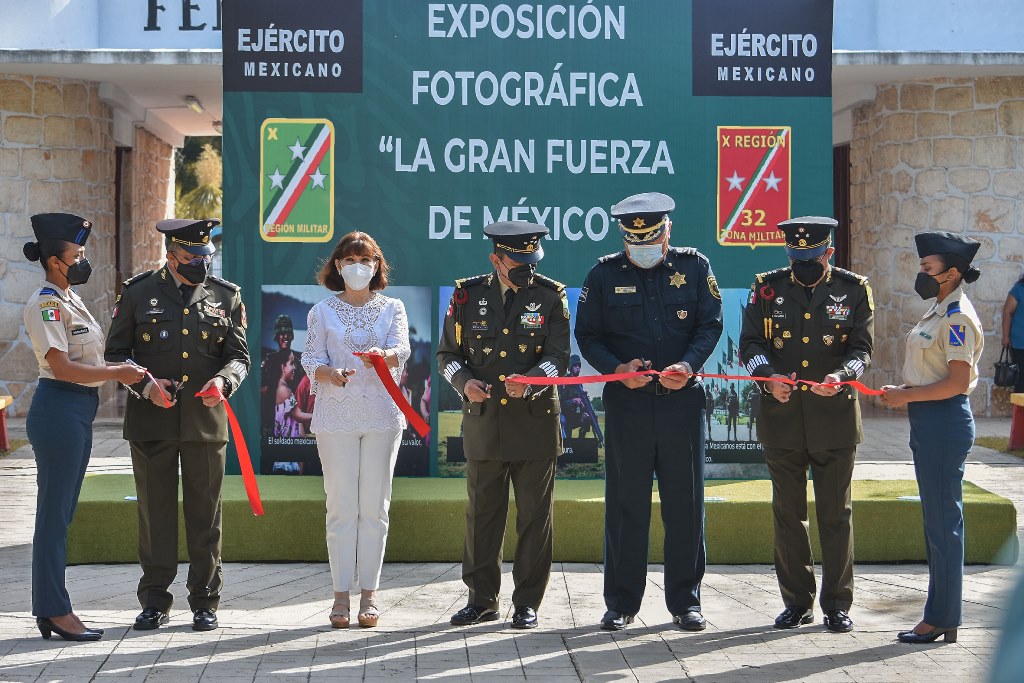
1007, 372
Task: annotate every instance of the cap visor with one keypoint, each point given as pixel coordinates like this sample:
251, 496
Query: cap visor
202, 250
527, 258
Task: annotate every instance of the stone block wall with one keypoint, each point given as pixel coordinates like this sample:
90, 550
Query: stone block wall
57, 154
152, 189
941, 154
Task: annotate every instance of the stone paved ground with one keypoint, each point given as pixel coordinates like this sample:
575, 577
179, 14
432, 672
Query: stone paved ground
274, 615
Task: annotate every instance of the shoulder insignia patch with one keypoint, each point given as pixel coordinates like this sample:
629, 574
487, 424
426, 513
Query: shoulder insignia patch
47, 291
713, 287
957, 334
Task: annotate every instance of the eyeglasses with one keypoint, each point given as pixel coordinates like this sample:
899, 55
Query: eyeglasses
195, 261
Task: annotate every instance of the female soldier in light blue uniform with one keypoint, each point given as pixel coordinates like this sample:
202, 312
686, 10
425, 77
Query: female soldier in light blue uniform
939, 373
68, 343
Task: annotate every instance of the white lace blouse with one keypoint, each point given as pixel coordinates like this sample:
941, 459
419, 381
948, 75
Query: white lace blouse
335, 330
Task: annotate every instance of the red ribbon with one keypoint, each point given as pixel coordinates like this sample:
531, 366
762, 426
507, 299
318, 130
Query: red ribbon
381, 366
242, 450
615, 377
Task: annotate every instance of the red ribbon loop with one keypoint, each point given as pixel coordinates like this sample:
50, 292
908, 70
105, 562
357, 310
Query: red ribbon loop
242, 450
384, 373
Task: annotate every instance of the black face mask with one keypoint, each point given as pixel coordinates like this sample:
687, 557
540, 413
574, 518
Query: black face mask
78, 272
521, 276
926, 286
808, 273
194, 273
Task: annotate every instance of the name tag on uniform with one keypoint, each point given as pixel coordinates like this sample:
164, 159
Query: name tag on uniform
625, 290
479, 326
532, 320
154, 311
79, 330
779, 314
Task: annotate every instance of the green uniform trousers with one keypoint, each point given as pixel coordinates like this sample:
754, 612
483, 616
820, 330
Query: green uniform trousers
533, 482
794, 563
156, 484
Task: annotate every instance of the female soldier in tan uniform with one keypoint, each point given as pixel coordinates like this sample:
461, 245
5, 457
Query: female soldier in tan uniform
939, 373
68, 343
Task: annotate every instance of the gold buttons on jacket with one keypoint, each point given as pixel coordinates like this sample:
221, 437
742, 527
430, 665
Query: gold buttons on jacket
501, 378
807, 316
504, 401
503, 354
153, 320
184, 378
806, 340
185, 332
184, 354
505, 331
803, 387
185, 311
804, 363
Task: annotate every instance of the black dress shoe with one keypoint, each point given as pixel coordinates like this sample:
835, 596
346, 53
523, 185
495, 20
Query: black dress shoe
150, 618
838, 621
949, 636
792, 617
473, 614
691, 620
524, 617
47, 627
204, 620
615, 621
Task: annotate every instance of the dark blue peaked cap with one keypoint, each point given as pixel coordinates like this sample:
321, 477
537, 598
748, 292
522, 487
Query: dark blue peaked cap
941, 242
61, 226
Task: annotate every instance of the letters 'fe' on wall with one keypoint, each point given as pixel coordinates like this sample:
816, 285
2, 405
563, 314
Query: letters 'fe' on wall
422, 122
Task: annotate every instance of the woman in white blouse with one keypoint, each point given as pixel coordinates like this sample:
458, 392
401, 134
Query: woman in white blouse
357, 425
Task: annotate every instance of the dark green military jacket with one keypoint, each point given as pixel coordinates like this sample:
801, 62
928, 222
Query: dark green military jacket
189, 341
832, 332
479, 342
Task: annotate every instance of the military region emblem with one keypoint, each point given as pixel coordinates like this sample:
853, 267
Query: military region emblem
754, 164
297, 180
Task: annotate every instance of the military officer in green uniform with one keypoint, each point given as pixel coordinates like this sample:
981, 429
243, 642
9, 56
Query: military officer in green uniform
508, 323
188, 329
810, 321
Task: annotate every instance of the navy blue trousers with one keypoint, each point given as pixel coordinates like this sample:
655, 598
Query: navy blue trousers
648, 435
59, 428
941, 436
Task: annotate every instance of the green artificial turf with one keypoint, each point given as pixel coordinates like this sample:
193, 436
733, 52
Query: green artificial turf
428, 522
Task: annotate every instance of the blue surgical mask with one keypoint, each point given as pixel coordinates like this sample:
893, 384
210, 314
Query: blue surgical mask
646, 255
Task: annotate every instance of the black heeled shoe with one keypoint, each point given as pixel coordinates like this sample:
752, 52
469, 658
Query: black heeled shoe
47, 627
948, 634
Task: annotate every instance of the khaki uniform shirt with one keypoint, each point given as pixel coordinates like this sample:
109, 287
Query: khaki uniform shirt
950, 330
59, 320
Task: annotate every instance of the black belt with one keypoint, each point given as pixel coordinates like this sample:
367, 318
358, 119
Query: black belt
69, 386
657, 388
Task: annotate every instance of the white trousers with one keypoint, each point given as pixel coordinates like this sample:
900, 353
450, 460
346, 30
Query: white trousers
357, 480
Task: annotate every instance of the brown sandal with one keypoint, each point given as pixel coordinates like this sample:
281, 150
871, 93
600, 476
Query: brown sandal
368, 615
339, 616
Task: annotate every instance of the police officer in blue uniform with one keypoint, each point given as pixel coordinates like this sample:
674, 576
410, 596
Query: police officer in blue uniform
651, 306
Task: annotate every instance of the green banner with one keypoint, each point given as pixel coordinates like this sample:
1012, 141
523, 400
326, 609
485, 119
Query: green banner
422, 122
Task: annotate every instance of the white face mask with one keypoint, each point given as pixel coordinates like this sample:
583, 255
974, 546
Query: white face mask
357, 276
646, 255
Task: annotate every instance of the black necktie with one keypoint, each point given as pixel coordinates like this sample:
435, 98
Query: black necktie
509, 294
186, 291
